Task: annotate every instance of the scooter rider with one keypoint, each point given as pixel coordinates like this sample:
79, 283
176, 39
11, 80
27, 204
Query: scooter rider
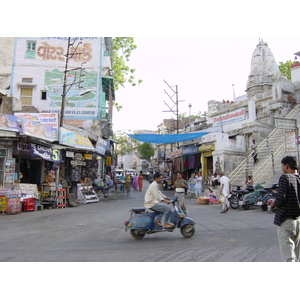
153, 199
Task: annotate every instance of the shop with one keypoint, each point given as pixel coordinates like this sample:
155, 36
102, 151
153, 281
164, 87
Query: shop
191, 161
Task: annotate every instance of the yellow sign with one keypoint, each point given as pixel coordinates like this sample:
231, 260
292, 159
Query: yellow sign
206, 148
87, 156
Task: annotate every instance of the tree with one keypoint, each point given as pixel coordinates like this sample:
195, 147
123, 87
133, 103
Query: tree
285, 69
145, 151
122, 48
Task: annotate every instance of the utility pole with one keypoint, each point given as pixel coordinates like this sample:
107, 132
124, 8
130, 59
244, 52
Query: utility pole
65, 85
176, 111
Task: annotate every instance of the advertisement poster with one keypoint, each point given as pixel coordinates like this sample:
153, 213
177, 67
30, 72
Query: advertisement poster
8, 122
36, 129
69, 138
48, 120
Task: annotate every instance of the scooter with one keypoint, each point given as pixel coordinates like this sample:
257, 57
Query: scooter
259, 196
235, 198
141, 222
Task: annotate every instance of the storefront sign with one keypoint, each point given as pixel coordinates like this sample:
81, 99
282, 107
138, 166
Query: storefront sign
102, 145
234, 116
290, 141
285, 123
46, 153
177, 153
87, 156
190, 150
23, 146
78, 163
70, 154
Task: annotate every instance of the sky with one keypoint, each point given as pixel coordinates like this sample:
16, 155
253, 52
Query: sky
202, 68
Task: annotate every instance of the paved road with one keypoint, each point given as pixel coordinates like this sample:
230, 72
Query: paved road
95, 233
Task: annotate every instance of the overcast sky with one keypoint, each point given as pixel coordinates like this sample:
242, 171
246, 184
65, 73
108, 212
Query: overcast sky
203, 68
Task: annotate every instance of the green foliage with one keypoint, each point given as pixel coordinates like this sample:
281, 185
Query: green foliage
285, 69
126, 145
122, 48
145, 151
199, 115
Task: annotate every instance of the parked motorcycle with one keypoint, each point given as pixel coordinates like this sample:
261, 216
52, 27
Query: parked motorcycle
141, 222
259, 196
272, 192
235, 198
167, 183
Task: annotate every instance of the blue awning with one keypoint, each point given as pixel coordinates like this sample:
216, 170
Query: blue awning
166, 138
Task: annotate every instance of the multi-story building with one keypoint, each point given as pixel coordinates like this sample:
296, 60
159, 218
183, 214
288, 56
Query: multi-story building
66, 85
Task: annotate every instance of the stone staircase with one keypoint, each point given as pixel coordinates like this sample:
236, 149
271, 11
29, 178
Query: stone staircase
270, 152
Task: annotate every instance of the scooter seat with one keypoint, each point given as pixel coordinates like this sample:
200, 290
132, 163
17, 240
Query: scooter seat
138, 210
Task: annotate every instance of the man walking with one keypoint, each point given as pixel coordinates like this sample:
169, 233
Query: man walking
153, 199
287, 210
180, 185
224, 192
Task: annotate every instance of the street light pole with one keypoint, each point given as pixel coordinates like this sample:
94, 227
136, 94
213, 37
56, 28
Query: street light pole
63, 99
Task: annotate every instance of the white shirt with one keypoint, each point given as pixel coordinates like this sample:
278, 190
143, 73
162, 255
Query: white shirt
153, 195
226, 185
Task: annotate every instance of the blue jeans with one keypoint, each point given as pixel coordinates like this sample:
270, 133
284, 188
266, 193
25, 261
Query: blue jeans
163, 211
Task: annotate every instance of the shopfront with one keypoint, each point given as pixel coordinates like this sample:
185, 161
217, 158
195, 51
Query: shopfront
207, 159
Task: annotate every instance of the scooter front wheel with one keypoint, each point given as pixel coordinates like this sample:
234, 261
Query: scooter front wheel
137, 234
187, 230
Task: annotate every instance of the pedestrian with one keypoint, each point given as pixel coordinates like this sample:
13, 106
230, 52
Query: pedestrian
215, 179
140, 181
212, 196
135, 183
153, 199
180, 185
254, 152
249, 181
198, 186
287, 210
224, 192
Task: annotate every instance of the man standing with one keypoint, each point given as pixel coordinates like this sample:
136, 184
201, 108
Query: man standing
180, 185
287, 210
153, 199
224, 192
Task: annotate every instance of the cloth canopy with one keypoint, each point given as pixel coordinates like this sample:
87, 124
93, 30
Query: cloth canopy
166, 138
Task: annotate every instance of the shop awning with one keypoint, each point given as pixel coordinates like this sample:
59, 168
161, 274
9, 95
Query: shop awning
166, 138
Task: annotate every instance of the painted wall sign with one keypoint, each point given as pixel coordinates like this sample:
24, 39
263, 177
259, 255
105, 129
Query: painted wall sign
234, 116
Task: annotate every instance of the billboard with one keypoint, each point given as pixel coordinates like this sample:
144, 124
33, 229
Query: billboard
40, 64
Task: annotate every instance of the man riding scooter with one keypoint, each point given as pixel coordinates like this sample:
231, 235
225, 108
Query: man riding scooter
153, 199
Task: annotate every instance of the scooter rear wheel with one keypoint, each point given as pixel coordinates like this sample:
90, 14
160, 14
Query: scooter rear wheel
187, 230
234, 202
137, 234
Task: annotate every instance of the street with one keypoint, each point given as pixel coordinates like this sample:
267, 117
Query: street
95, 233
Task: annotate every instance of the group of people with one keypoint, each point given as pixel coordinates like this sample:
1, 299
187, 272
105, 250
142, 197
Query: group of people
134, 181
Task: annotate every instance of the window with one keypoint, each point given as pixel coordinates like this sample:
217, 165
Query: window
30, 49
43, 95
26, 95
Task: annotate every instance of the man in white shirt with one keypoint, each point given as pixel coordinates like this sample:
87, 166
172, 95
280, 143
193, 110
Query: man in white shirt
153, 199
224, 192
